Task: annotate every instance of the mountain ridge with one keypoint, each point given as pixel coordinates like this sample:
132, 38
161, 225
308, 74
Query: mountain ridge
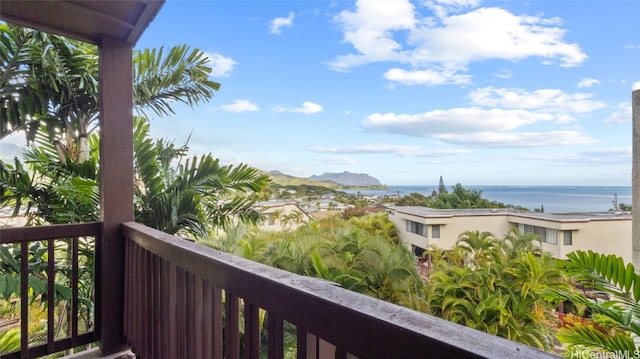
347, 178
330, 179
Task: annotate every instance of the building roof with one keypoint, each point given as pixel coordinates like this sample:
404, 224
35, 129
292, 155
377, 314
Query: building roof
86, 20
560, 217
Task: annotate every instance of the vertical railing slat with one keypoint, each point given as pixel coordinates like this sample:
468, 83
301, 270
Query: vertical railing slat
75, 280
157, 305
232, 326
207, 319
147, 324
181, 292
51, 273
198, 319
190, 316
164, 309
172, 310
128, 315
301, 340
275, 337
24, 299
151, 331
139, 348
218, 331
251, 331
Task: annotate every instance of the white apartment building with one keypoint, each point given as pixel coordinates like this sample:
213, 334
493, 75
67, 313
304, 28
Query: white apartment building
560, 233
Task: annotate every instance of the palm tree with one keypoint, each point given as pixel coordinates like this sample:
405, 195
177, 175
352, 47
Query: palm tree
479, 246
516, 242
179, 197
50, 81
501, 293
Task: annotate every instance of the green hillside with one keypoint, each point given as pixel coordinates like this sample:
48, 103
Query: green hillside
286, 180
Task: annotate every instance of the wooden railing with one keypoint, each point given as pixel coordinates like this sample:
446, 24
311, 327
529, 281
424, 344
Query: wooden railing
183, 300
40, 262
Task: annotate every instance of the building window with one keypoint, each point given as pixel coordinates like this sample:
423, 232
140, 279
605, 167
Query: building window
551, 236
417, 228
546, 235
272, 218
568, 238
435, 231
392, 213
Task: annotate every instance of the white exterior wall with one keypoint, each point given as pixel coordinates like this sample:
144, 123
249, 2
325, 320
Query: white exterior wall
606, 237
608, 234
409, 238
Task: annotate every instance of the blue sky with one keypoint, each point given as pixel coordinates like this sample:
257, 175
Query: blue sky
480, 92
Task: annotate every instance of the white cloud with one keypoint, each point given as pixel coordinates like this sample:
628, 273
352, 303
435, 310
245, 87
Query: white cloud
370, 30
504, 74
588, 82
240, 106
338, 161
278, 23
394, 31
554, 100
623, 114
636, 86
523, 139
476, 126
221, 66
400, 150
426, 77
307, 108
512, 37
602, 156
456, 120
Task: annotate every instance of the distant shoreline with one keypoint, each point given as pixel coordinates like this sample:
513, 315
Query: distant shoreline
554, 199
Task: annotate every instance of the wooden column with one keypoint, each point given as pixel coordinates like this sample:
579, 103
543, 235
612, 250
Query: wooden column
116, 186
635, 181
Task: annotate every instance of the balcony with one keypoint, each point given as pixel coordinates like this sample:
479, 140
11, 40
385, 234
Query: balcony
183, 300
163, 297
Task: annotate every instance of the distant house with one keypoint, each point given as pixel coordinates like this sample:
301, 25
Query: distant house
282, 216
322, 205
560, 234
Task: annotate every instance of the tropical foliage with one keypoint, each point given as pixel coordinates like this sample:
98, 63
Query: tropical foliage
610, 291
51, 82
498, 289
458, 198
49, 91
362, 254
190, 196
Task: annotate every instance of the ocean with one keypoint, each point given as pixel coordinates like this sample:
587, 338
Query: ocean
555, 199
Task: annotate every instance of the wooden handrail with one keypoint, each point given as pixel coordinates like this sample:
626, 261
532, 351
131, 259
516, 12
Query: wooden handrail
39, 233
354, 323
25, 235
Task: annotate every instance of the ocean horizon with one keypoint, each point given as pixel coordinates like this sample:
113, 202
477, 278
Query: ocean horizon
554, 199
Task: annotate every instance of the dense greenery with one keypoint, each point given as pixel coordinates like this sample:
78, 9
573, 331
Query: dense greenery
610, 292
192, 196
458, 198
497, 286
49, 91
361, 254
51, 82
